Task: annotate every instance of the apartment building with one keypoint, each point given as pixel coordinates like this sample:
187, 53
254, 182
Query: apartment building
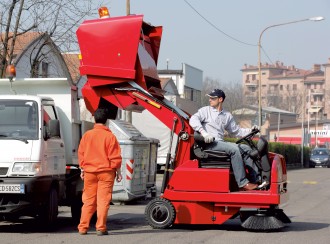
304, 92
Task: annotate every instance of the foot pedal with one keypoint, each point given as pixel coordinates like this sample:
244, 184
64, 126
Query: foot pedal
263, 185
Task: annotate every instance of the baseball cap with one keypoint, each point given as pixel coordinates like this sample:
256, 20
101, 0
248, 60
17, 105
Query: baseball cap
217, 93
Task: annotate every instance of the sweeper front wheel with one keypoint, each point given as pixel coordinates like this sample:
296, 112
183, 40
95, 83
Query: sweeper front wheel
160, 213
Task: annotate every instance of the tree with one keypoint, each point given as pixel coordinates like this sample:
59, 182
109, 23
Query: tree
233, 91
58, 19
208, 85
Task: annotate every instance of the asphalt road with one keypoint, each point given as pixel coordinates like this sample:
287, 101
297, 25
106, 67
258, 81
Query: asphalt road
308, 208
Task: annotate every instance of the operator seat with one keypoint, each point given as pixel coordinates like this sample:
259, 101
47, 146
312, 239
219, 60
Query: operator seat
209, 158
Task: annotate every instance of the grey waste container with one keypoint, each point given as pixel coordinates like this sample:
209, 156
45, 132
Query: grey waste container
139, 160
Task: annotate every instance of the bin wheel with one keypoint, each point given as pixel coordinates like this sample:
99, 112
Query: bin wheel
160, 213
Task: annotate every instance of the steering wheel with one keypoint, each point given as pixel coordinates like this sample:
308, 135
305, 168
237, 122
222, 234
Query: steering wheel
248, 137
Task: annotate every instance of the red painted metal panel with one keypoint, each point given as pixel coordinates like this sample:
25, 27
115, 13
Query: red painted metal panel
110, 43
193, 213
202, 213
194, 179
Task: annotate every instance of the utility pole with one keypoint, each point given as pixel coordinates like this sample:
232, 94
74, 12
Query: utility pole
302, 128
128, 7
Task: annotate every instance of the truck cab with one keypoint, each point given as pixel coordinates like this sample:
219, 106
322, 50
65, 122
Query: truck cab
32, 167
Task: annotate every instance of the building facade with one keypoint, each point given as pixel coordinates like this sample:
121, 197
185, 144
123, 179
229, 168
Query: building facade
304, 92
188, 80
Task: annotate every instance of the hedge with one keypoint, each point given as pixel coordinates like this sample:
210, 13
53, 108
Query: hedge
291, 153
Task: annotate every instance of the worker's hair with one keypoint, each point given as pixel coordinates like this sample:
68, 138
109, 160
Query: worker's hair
100, 116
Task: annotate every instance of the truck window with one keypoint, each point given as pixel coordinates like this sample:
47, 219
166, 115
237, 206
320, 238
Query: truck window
49, 113
19, 119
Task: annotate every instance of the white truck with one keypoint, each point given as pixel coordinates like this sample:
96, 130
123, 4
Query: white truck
39, 138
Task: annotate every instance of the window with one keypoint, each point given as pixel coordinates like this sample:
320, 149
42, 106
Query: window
192, 94
19, 118
44, 69
294, 87
281, 87
49, 113
253, 77
35, 69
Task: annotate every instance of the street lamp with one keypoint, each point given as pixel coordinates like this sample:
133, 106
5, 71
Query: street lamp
319, 18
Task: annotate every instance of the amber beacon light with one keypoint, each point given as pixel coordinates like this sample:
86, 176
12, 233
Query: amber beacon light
104, 12
10, 71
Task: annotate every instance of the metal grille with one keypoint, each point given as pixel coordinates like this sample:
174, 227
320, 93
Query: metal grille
3, 170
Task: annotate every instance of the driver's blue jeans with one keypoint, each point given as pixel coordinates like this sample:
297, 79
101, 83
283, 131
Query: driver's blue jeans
236, 151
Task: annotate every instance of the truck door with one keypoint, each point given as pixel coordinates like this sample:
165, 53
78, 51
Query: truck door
54, 152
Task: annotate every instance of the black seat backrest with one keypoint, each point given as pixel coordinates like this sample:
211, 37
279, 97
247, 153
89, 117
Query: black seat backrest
209, 158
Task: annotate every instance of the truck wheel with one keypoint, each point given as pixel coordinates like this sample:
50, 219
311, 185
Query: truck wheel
160, 213
49, 212
76, 205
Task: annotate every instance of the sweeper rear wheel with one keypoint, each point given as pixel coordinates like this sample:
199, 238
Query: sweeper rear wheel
160, 213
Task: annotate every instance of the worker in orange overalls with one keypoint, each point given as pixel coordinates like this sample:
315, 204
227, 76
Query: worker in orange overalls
100, 162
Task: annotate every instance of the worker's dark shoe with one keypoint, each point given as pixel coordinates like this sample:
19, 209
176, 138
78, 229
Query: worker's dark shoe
249, 187
102, 233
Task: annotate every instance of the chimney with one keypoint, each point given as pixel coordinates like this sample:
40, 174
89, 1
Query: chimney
316, 67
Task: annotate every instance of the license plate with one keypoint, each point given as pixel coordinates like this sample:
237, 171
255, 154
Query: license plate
12, 188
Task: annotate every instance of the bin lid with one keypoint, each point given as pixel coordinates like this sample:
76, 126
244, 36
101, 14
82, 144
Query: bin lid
124, 130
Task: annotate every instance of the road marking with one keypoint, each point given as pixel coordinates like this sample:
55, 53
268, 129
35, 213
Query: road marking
310, 182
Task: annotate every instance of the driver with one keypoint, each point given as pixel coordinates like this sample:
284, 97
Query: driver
212, 122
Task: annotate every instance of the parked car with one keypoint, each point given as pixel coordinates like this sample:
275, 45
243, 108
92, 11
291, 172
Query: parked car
320, 157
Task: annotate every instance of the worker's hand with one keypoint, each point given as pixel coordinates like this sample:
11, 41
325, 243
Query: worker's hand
207, 137
119, 176
82, 175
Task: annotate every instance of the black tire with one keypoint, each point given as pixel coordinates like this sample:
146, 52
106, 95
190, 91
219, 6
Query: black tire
76, 205
49, 212
160, 213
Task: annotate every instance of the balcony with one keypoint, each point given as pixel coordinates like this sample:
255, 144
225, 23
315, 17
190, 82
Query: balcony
253, 83
250, 93
316, 92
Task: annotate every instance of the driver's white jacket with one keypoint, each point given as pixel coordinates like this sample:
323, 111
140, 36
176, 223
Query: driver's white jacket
216, 123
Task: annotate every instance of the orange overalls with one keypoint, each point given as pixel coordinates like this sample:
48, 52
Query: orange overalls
99, 156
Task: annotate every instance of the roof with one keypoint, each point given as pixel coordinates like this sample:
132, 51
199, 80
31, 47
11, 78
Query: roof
286, 71
164, 81
253, 110
22, 40
73, 63
170, 72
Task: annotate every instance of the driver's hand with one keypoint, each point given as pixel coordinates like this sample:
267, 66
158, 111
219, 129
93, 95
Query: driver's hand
255, 127
207, 137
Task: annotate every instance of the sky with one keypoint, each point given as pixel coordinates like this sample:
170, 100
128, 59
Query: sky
223, 35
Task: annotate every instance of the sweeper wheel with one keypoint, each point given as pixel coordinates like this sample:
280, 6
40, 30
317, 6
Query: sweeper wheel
160, 213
